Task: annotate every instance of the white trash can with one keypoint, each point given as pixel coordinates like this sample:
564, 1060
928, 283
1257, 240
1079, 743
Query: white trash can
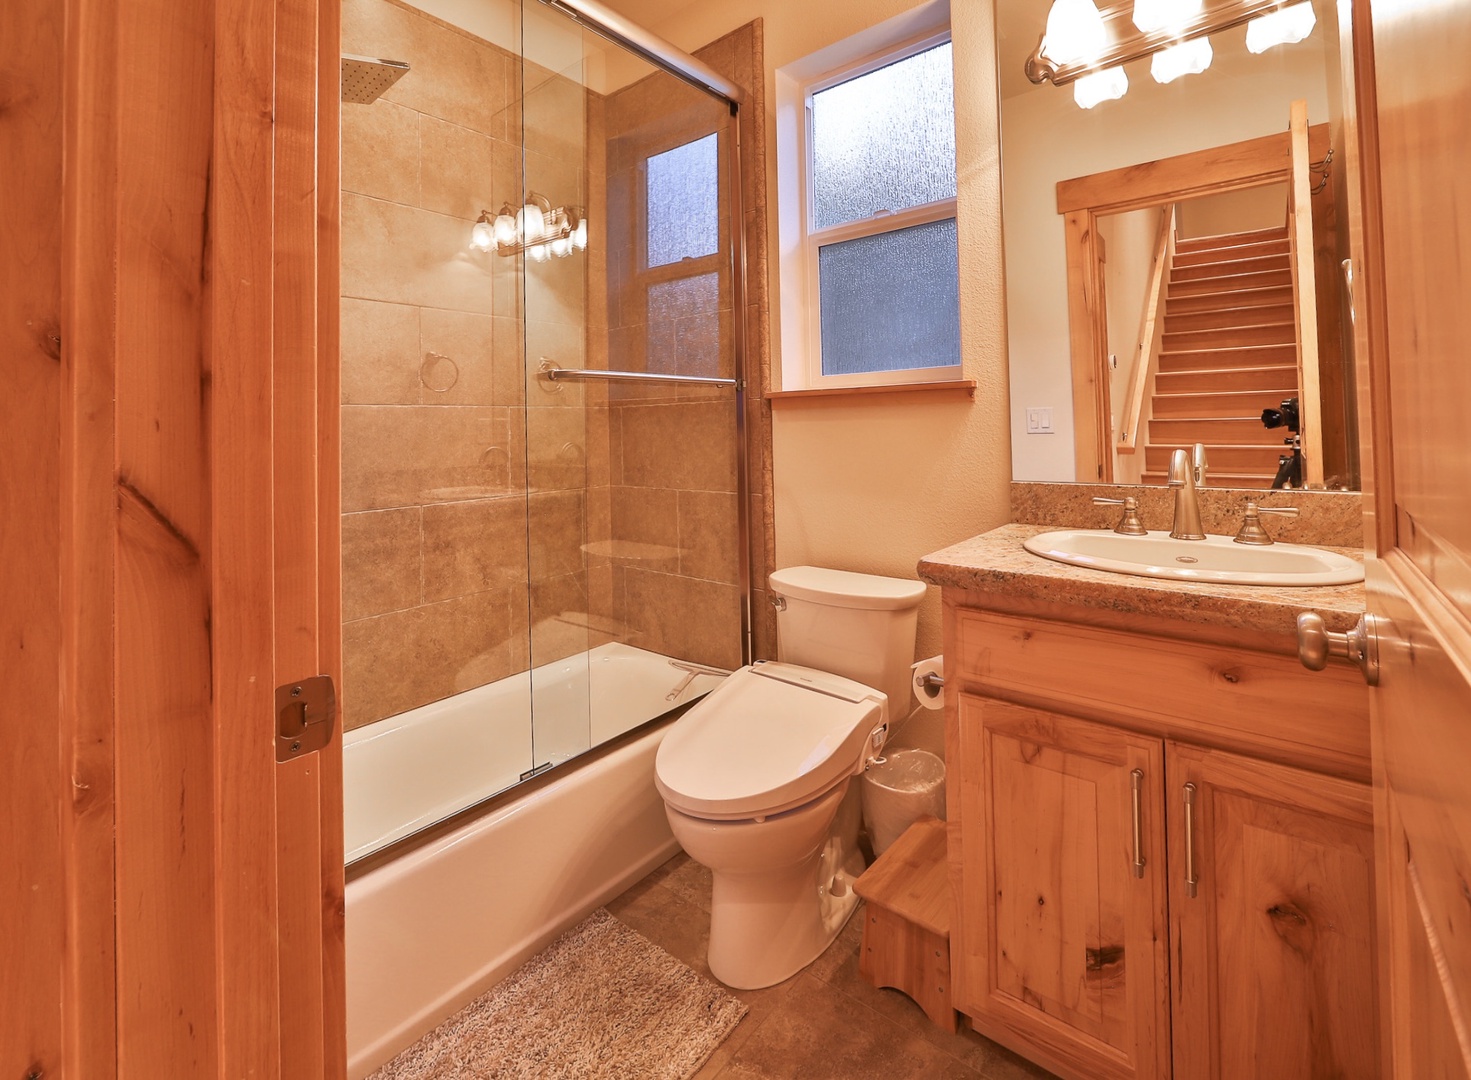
907, 786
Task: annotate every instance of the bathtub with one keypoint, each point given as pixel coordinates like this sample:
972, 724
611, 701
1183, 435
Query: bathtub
432, 929
429, 763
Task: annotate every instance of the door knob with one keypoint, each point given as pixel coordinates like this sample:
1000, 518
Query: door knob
1316, 643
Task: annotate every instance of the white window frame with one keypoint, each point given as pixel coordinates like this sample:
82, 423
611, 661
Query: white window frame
883, 221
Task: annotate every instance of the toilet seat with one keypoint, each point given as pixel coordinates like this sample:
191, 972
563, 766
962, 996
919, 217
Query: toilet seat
770, 738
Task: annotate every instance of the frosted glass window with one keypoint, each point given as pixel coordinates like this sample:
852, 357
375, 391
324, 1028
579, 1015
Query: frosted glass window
885, 140
684, 202
890, 302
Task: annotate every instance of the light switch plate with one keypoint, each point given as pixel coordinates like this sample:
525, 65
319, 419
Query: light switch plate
1039, 421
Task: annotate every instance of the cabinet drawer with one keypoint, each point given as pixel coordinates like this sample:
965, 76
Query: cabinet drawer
1262, 703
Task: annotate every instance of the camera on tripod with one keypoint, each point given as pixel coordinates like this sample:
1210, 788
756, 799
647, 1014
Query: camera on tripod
1287, 416
1289, 466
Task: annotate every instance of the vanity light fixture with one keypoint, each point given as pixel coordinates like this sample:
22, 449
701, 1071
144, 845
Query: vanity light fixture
1282, 27
538, 228
1075, 32
1152, 15
1187, 58
1084, 43
1106, 85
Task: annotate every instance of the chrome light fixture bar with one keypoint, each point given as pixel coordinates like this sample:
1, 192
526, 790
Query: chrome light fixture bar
1126, 44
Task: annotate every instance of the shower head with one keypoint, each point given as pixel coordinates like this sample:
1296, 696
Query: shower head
364, 78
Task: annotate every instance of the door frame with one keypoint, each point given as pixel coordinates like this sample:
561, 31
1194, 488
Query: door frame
1083, 200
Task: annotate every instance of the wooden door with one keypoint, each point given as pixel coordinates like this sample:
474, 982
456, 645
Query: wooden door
170, 312
1414, 326
1069, 964
1273, 946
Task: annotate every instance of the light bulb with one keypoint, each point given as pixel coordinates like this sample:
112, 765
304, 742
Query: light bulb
1152, 15
482, 234
1075, 32
530, 222
562, 246
539, 253
505, 228
1281, 27
1188, 58
1105, 85
579, 235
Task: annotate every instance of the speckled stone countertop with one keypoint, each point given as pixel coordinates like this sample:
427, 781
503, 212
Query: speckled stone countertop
996, 562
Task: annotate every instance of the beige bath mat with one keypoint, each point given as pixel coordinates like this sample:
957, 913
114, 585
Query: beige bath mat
600, 1001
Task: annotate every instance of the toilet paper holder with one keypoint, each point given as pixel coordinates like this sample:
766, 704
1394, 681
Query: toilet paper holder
932, 682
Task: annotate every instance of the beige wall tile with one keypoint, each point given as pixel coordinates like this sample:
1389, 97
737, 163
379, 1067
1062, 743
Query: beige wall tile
555, 116
685, 617
559, 623
380, 151
689, 446
403, 455
474, 547
646, 515
410, 256
466, 374
380, 562
709, 535
557, 529
456, 169
556, 448
396, 662
380, 353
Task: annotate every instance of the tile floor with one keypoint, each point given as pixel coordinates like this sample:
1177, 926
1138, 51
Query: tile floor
825, 1023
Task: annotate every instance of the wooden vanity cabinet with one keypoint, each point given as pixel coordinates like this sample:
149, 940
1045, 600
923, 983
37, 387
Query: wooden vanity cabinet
1078, 940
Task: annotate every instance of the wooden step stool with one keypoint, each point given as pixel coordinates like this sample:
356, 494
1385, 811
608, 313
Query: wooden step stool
906, 925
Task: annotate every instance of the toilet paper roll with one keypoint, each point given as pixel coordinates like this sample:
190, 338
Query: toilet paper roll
930, 695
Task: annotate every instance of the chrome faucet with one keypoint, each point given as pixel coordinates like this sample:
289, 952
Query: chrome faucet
1187, 505
1198, 463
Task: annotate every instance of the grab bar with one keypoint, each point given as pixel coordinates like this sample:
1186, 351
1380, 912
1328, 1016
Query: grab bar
555, 373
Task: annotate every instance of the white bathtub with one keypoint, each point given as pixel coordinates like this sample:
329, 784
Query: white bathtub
430, 930
412, 770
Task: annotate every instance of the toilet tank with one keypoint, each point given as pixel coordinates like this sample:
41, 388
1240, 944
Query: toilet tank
860, 626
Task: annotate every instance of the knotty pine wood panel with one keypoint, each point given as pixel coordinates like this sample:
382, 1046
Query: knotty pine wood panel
32, 888
166, 780
242, 318
1071, 968
1274, 957
1233, 698
88, 534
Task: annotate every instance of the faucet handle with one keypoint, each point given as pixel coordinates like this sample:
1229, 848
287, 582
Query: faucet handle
1198, 463
1251, 531
1129, 524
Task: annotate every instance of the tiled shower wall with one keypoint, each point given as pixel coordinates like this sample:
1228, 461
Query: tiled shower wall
434, 499
452, 451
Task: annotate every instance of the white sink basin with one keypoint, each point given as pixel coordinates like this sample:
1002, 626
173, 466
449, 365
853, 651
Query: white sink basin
1216, 558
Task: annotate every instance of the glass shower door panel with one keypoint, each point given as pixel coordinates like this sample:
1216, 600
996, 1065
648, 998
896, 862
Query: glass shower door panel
565, 420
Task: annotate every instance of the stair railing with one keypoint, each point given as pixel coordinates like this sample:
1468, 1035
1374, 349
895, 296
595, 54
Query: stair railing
1151, 337
1305, 297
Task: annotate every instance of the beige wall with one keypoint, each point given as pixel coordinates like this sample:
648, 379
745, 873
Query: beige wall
873, 484
1233, 211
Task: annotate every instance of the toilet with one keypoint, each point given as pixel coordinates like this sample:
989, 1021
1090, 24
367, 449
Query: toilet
757, 777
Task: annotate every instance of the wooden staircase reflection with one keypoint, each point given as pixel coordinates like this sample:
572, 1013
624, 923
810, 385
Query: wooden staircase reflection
1229, 350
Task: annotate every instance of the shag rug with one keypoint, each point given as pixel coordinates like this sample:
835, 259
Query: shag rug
600, 1001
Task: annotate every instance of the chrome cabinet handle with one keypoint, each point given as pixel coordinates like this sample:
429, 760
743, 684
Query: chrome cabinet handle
1136, 782
1191, 878
1316, 643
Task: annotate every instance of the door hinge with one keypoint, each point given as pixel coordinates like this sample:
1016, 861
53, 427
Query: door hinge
305, 713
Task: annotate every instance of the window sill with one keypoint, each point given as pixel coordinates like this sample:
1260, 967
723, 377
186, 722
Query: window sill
947, 389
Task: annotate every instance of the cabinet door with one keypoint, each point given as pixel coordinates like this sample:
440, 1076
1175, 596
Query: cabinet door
1274, 941
1062, 930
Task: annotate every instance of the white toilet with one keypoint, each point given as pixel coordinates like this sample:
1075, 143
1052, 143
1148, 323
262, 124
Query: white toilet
756, 777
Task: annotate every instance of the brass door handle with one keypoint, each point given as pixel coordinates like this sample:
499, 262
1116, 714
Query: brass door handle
1316, 643
1136, 783
1192, 880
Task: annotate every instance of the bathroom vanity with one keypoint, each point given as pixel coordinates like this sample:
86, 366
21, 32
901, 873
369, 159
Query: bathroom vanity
1161, 842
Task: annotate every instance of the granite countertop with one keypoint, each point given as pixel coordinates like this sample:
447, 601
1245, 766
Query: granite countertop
996, 562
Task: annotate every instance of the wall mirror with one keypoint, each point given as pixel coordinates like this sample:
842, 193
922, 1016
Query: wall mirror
1175, 257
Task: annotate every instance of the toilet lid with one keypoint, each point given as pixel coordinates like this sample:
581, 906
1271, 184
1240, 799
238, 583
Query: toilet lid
769, 738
